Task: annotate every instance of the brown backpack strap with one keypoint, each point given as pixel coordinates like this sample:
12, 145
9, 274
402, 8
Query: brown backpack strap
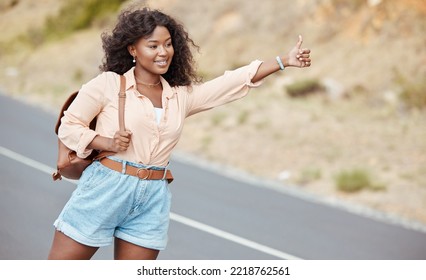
122, 103
121, 106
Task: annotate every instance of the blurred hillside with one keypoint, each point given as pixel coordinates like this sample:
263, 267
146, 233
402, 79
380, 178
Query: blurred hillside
368, 45
368, 113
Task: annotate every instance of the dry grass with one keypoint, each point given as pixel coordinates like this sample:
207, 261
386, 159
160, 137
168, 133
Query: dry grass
359, 123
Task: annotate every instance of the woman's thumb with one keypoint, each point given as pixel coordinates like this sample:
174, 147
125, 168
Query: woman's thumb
299, 43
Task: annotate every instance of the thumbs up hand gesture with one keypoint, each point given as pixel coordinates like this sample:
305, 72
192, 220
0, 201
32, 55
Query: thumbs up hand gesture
299, 57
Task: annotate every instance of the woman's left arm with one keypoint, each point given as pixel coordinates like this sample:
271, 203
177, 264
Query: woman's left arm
297, 57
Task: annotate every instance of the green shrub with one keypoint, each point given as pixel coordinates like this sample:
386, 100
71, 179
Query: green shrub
353, 180
414, 94
304, 88
77, 15
74, 15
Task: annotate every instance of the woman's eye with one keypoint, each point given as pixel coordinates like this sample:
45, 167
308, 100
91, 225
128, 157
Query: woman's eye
153, 47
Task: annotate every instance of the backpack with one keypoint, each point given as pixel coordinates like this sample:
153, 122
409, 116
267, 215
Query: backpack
68, 164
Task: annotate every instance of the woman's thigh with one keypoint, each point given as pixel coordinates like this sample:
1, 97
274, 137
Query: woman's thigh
124, 250
65, 248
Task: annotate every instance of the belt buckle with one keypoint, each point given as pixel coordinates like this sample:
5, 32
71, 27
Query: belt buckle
148, 173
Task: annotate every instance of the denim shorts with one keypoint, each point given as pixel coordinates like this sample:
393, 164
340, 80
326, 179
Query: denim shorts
108, 204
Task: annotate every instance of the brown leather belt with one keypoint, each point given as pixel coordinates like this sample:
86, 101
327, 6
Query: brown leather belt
141, 173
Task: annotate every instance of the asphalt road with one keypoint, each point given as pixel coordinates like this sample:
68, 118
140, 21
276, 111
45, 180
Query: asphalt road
213, 216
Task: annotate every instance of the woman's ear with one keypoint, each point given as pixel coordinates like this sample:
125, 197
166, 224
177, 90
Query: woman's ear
132, 50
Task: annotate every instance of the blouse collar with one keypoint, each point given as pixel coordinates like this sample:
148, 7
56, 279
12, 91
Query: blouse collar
131, 82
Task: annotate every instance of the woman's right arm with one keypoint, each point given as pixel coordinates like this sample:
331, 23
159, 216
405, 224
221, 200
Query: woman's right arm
119, 143
74, 131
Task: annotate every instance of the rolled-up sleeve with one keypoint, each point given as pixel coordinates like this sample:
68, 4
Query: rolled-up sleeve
74, 131
232, 85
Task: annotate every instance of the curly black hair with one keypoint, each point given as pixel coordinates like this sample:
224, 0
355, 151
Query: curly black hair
133, 25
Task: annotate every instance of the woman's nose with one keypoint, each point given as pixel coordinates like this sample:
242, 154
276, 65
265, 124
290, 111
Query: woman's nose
162, 51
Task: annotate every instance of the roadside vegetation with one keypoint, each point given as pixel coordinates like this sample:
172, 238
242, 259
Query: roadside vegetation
351, 181
74, 16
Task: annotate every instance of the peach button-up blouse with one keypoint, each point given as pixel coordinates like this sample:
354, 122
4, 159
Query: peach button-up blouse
151, 142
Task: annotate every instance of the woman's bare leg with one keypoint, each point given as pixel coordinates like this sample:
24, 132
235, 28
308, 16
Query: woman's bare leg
124, 250
65, 248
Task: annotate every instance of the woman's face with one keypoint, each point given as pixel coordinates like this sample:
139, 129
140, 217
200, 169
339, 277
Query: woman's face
154, 53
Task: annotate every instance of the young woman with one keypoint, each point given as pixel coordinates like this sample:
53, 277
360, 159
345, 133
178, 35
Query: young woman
125, 197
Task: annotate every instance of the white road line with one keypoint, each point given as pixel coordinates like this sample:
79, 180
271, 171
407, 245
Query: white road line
25, 160
173, 216
231, 237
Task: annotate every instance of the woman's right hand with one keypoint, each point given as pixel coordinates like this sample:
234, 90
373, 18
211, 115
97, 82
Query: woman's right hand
121, 141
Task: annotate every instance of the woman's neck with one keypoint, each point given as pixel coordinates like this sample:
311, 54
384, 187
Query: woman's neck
145, 78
